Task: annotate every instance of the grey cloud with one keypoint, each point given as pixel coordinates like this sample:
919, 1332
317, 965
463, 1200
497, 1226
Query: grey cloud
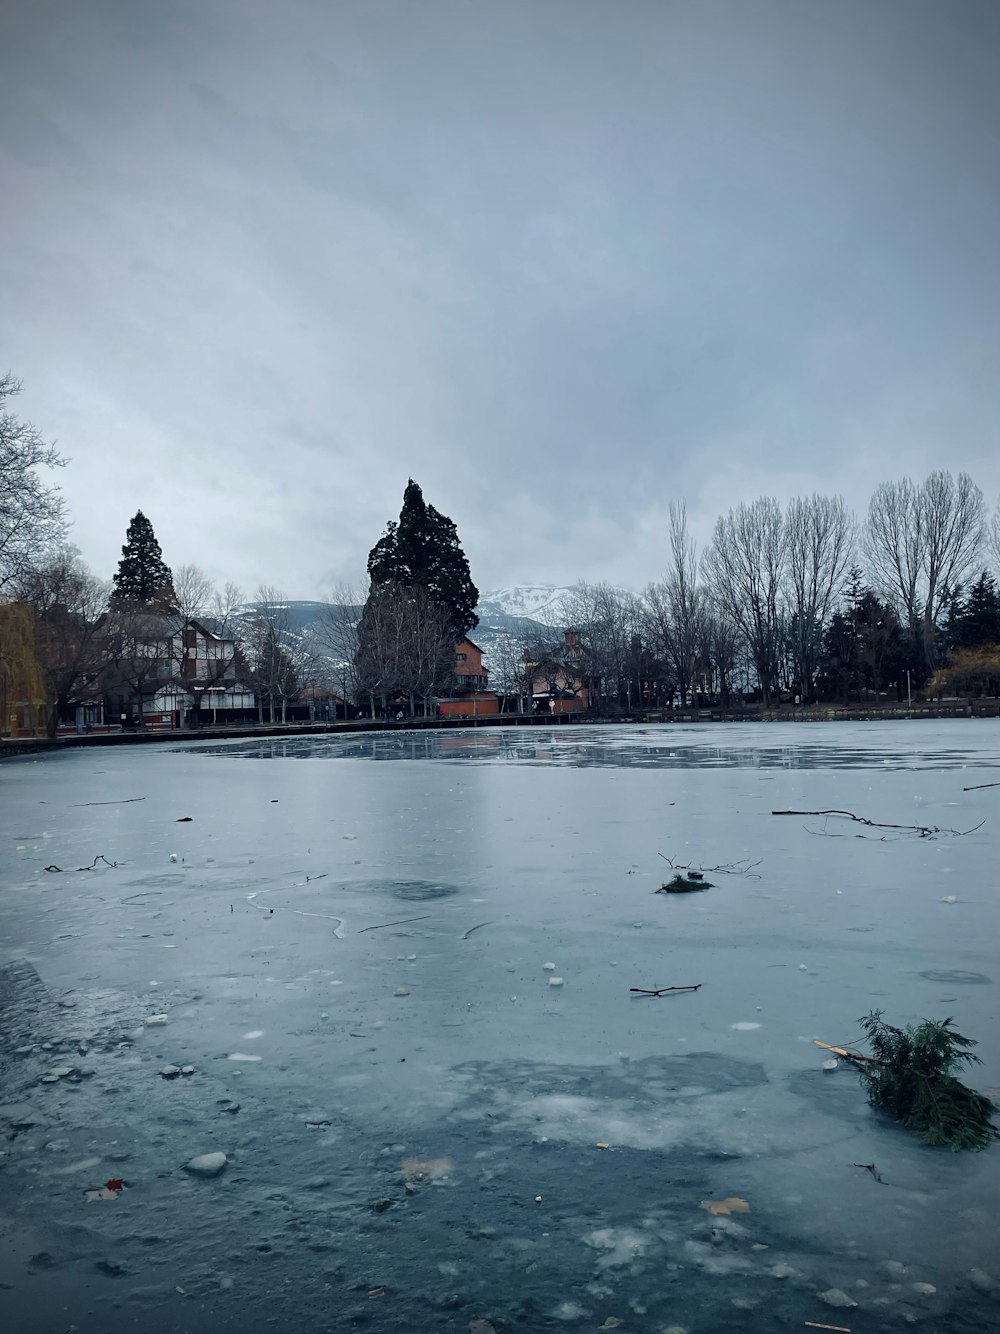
561, 262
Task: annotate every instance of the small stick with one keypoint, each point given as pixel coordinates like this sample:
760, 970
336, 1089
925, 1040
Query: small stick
870, 1167
382, 925
978, 787
842, 1051
478, 927
662, 991
122, 801
841, 1329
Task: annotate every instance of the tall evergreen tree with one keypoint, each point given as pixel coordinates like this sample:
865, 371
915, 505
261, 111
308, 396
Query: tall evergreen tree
976, 619
142, 577
422, 550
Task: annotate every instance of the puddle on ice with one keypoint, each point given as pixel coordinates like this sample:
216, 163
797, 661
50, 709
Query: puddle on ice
485, 1148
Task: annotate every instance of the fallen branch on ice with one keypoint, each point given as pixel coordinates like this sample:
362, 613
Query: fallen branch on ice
921, 830
742, 867
662, 991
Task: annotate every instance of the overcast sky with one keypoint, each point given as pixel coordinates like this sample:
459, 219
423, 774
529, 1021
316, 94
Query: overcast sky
559, 260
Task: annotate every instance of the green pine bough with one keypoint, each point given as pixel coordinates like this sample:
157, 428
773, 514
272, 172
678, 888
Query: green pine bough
911, 1074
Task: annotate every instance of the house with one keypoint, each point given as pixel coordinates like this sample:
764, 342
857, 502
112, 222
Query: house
557, 677
473, 697
162, 671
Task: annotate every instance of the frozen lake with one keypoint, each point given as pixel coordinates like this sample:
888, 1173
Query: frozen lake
350, 952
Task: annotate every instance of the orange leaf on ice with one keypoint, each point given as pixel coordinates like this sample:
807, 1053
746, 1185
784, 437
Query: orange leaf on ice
732, 1205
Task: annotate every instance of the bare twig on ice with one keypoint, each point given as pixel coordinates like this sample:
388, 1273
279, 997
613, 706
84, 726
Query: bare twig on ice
478, 927
122, 801
870, 1167
662, 991
382, 925
921, 830
743, 867
978, 787
93, 865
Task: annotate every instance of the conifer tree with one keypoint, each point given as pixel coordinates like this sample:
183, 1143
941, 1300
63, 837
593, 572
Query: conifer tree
142, 577
976, 620
422, 550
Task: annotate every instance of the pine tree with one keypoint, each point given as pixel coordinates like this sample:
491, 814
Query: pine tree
976, 620
142, 577
422, 550
912, 1075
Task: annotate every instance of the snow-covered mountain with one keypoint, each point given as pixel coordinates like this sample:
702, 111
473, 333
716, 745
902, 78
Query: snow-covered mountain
533, 602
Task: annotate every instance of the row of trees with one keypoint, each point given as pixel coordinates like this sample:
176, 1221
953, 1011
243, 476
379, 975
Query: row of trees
797, 599
124, 639
804, 601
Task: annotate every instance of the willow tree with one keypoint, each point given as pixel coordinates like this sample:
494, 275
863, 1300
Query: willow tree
22, 690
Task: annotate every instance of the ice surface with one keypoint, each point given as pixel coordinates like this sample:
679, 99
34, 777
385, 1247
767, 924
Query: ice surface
393, 988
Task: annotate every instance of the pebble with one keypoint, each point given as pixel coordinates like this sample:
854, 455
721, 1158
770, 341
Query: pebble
838, 1298
170, 1071
894, 1268
187, 1069
555, 981
61, 1071
924, 1289
781, 1270
831, 1065
206, 1164
50, 1079
155, 1020
401, 991
549, 967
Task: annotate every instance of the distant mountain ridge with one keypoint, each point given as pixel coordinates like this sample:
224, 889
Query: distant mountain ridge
508, 617
534, 602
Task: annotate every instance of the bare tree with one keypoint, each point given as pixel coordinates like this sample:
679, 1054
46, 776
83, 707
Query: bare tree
208, 645
406, 647
429, 652
32, 514
819, 532
336, 638
268, 643
69, 603
137, 642
921, 541
193, 592
607, 619
993, 540
675, 607
745, 564
506, 663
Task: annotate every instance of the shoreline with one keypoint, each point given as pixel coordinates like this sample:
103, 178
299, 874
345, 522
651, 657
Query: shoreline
818, 713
